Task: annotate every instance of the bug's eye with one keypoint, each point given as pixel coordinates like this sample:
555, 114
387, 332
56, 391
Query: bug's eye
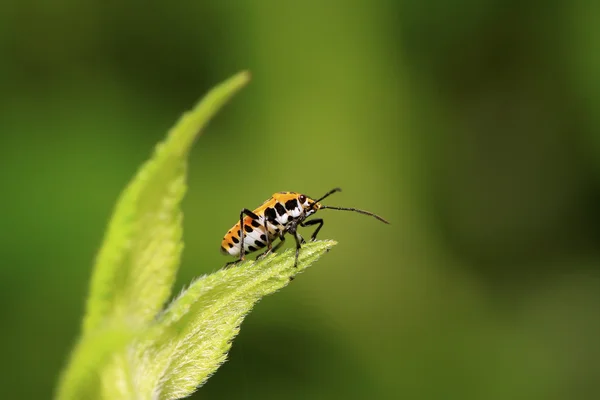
302, 198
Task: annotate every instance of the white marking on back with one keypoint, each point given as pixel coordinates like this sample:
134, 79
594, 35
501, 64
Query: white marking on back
251, 237
282, 219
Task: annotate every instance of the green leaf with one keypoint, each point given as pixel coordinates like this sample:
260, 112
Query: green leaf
82, 379
130, 347
136, 265
195, 333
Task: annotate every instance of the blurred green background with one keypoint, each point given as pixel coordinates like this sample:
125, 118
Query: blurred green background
472, 125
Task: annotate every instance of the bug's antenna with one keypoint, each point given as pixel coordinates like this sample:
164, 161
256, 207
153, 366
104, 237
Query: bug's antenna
332, 191
356, 210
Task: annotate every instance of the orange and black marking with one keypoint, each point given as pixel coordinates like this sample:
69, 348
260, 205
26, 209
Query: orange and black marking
282, 213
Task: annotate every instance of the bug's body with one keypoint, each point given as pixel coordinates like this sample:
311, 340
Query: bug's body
282, 213
279, 210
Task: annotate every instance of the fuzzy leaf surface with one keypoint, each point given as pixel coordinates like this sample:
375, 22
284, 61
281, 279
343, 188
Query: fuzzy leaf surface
137, 262
136, 266
193, 336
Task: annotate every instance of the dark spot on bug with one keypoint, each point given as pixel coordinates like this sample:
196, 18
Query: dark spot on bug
248, 228
280, 209
302, 198
237, 233
270, 213
230, 245
223, 249
259, 244
235, 240
291, 204
255, 223
263, 237
274, 223
252, 248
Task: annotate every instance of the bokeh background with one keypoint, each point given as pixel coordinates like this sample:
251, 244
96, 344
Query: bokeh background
472, 125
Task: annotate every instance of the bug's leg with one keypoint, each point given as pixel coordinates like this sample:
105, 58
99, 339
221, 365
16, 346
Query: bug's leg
269, 244
278, 245
319, 221
298, 245
274, 248
267, 234
229, 264
242, 233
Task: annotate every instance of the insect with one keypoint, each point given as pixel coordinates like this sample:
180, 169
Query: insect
282, 213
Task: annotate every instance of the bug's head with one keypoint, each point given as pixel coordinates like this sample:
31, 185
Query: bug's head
312, 206
315, 205
309, 205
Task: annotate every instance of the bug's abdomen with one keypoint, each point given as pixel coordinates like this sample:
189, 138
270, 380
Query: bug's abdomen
255, 237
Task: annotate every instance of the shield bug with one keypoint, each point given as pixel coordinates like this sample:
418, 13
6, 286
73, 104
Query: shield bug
282, 213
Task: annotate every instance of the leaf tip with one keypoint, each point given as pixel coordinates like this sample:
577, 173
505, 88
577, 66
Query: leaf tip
241, 78
246, 75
